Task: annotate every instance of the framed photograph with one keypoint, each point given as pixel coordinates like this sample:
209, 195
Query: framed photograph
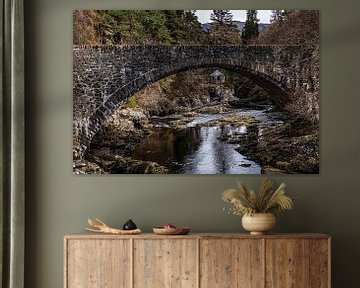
195, 92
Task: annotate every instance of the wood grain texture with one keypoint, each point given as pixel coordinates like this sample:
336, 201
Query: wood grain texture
197, 261
98, 264
287, 263
165, 263
88, 235
319, 263
231, 263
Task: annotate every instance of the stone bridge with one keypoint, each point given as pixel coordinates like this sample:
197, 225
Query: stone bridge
106, 76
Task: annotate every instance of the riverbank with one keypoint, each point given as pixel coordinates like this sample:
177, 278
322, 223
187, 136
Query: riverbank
132, 139
290, 147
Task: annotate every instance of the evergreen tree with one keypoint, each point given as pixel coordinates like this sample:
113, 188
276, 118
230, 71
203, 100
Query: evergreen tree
195, 32
153, 25
135, 27
222, 17
183, 26
222, 29
251, 27
276, 16
175, 25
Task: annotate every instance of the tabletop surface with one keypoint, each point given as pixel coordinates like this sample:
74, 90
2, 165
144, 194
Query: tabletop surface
90, 235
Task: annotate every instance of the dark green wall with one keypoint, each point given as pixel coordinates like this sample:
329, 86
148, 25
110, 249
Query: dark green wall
59, 203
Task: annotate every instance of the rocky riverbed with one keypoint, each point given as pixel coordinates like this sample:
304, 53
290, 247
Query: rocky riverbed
248, 141
283, 148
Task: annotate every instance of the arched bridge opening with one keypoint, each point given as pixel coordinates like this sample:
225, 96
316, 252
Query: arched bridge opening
111, 75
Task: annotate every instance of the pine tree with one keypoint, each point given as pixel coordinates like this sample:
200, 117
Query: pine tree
251, 27
277, 16
195, 33
222, 17
222, 29
183, 26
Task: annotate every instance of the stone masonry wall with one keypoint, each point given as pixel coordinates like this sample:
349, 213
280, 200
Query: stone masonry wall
105, 76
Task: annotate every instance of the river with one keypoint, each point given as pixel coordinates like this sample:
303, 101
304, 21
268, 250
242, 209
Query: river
200, 149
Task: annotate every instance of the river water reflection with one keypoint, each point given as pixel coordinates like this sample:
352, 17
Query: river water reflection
198, 149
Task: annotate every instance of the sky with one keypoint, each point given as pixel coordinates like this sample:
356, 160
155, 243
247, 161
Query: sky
238, 15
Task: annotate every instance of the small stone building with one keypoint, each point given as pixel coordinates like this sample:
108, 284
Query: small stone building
217, 77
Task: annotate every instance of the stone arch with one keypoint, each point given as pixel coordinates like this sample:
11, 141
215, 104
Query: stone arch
98, 118
264, 65
268, 83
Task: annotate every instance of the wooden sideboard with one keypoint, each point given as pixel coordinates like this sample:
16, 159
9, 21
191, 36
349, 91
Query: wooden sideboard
197, 260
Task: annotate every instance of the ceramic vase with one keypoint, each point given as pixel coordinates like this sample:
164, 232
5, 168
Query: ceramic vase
259, 223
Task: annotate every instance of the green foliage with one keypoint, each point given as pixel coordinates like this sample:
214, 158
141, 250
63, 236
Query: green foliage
184, 27
222, 30
154, 24
222, 17
132, 102
133, 27
144, 27
251, 28
245, 201
166, 84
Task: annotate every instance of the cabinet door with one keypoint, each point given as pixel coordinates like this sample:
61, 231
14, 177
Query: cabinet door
231, 263
98, 263
165, 263
287, 263
320, 263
